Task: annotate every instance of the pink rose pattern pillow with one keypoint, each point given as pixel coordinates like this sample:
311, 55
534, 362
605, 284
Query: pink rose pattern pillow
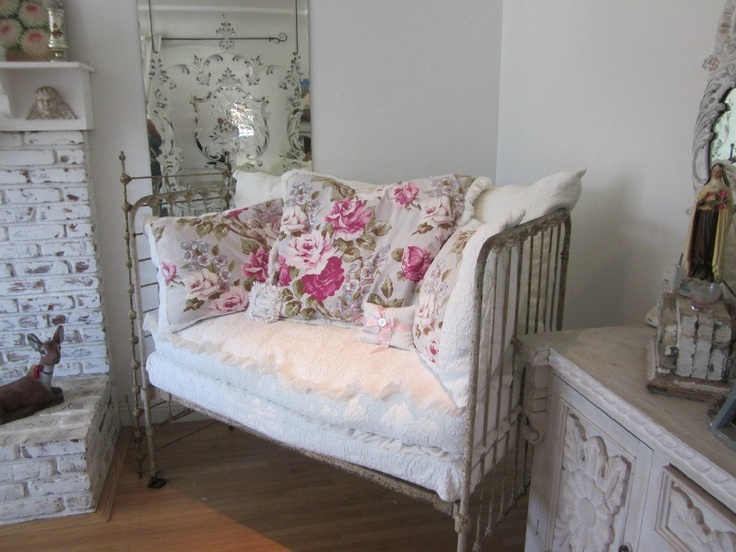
435, 292
207, 264
338, 247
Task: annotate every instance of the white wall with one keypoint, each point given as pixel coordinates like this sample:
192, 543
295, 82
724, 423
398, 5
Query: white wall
614, 87
408, 88
105, 34
403, 89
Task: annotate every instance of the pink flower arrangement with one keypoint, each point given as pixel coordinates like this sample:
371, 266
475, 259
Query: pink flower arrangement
169, 271
255, 265
234, 299
24, 29
294, 220
309, 252
202, 285
284, 272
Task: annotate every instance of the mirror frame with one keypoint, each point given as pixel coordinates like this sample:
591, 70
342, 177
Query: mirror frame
721, 66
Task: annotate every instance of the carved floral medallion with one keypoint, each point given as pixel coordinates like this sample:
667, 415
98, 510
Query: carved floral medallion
594, 487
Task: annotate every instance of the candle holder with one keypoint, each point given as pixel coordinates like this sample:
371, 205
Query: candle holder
57, 34
704, 295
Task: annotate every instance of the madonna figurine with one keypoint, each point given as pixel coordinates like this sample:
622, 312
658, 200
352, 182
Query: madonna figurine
709, 225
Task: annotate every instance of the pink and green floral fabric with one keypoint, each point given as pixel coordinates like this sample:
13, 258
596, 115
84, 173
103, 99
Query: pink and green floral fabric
207, 264
339, 247
435, 292
443, 324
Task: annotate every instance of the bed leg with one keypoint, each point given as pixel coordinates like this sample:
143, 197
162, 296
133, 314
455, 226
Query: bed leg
462, 528
156, 482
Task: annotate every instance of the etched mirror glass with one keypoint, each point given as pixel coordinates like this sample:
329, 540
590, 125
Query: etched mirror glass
723, 146
226, 85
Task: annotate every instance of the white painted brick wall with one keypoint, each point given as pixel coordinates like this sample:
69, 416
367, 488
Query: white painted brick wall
49, 272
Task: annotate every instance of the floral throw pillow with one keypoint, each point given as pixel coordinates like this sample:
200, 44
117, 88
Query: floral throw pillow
207, 264
435, 292
339, 247
444, 320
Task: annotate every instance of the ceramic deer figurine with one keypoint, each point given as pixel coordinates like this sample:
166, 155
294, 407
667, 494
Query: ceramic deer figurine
33, 392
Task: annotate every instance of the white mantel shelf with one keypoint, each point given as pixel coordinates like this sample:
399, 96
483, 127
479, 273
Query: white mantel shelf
19, 82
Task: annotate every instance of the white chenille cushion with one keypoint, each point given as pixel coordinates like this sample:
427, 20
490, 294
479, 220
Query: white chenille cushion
552, 192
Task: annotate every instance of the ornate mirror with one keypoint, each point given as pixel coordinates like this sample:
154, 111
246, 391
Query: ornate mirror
715, 140
715, 129
226, 85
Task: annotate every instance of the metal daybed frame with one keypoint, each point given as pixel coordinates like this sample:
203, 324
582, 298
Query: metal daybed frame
520, 288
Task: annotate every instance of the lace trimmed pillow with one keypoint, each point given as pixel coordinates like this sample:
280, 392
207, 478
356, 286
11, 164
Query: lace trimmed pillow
264, 304
339, 247
206, 265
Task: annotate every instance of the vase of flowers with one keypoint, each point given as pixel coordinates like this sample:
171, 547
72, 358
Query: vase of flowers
24, 30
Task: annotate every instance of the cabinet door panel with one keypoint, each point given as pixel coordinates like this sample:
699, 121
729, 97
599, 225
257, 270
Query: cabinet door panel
595, 473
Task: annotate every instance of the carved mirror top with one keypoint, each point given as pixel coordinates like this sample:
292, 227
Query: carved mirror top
721, 66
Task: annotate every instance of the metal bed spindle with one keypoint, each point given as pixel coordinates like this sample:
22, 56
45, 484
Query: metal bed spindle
533, 260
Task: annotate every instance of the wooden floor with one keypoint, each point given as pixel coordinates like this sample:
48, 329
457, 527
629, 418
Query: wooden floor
229, 491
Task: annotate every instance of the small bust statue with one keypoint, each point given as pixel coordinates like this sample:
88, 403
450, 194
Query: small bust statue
49, 105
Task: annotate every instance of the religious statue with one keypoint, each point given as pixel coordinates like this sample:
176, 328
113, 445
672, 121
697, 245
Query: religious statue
709, 225
49, 105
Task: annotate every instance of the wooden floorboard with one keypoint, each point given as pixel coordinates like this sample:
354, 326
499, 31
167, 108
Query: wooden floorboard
230, 491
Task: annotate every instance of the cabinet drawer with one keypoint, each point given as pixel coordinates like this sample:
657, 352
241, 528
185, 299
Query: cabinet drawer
688, 518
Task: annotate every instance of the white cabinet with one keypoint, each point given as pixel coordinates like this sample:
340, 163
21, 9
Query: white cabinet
618, 468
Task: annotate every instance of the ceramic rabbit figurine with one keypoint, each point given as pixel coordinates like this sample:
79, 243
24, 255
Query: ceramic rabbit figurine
33, 392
